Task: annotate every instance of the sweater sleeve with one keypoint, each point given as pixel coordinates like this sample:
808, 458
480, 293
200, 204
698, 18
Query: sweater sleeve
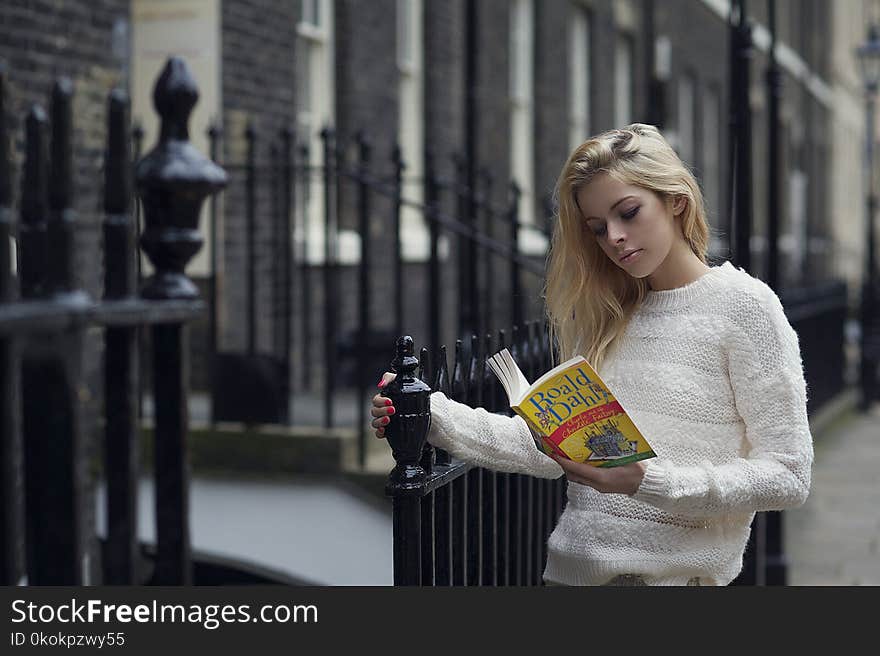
487, 439
766, 376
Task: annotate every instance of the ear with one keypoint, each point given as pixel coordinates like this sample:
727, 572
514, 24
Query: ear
679, 205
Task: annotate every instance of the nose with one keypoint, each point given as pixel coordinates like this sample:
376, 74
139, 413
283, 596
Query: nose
616, 232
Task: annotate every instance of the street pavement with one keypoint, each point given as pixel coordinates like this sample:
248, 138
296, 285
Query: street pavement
834, 538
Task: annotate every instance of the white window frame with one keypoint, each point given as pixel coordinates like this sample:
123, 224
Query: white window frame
624, 61
687, 117
711, 147
580, 76
414, 231
318, 35
522, 120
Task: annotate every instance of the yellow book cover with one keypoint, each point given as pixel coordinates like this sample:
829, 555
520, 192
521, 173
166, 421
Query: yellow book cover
572, 413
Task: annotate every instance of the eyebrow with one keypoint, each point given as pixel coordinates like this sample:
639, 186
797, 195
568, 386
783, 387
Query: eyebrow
599, 218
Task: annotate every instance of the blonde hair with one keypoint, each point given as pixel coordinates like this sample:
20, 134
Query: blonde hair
589, 300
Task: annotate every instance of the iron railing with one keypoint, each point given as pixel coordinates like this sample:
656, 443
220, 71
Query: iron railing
44, 426
454, 523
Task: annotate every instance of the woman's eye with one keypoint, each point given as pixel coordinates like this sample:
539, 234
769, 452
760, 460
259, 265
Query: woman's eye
599, 231
630, 213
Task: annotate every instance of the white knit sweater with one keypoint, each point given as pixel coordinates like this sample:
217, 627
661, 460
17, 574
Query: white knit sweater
711, 374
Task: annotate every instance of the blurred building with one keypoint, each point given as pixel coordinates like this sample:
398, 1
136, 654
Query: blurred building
510, 86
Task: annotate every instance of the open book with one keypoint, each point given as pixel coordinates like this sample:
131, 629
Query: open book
572, 413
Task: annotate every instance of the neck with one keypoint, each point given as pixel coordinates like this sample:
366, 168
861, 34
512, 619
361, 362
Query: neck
679, 268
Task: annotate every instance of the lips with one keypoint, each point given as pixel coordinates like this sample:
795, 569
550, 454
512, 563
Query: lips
629, 256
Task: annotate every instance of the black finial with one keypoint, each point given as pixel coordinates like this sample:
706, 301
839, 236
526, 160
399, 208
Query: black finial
34, 182
408, 430
117, 174
397, 157
365, 148
404, 363
61, 166
173, 180
174, 97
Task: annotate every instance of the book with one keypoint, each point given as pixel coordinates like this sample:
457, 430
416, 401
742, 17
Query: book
572, 413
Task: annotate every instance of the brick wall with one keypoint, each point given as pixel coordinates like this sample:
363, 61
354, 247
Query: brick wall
258, 40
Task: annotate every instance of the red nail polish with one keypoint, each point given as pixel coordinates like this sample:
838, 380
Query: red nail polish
385, 420
381, 382
388, 401
390, 411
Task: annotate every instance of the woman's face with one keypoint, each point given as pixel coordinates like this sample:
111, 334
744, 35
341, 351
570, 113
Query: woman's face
635, 227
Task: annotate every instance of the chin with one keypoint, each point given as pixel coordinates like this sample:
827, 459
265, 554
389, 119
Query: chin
639, 270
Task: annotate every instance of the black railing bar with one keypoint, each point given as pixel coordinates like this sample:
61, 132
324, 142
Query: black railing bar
444, 474
504, 218
377, 183
46, 316
477, 198
497, 247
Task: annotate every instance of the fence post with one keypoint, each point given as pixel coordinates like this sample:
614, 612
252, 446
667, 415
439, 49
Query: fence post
173, 180
489, 291
121, 378
434, 287
305, 274
55, 453
407, 433
330, 295
250, 135
515, 287
12, 531
361, 344
214, 134
287, 192
467, 249
398, 166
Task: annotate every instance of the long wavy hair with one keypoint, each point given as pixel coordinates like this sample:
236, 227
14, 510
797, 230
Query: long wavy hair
589, 300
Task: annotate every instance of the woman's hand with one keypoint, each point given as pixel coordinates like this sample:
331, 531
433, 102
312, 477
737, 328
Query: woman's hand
621, 480
382, 407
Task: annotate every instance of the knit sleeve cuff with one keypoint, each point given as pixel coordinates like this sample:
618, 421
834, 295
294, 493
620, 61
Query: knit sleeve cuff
653, 486
439, 432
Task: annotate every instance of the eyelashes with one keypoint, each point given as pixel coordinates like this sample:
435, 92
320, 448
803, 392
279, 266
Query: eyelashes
626, 216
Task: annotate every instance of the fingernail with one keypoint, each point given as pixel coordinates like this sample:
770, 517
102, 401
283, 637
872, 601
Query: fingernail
388, 401
391, 411
385, 420
381, 382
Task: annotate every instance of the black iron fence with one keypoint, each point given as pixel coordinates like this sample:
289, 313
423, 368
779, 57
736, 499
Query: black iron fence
46, 498
456, 524
484, 278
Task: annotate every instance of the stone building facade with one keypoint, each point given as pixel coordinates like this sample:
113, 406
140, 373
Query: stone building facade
510, 85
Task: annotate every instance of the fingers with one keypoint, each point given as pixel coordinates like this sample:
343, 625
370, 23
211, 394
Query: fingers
387, 377
379, 426
382, 406
384, 411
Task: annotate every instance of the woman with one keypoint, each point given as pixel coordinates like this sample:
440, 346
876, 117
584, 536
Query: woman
702, 358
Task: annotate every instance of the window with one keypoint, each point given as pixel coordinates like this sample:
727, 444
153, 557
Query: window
312, 13
522, 104
407, 29
686, 118
414, 234
711, 166
579, 70
623, 81
315, 110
